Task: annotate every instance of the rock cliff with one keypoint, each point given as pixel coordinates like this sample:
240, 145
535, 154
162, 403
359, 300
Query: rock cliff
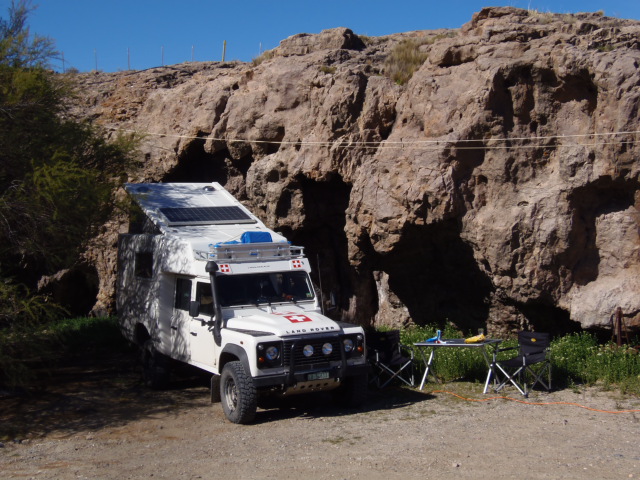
499, 185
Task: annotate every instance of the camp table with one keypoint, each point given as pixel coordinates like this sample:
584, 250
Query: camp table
455, 343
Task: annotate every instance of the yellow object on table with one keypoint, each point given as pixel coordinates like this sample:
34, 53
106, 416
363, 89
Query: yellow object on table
476, 339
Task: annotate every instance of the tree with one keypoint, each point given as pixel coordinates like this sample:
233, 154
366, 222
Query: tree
18, 49
56, 174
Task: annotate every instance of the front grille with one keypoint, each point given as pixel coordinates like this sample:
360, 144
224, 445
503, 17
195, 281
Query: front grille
293, 349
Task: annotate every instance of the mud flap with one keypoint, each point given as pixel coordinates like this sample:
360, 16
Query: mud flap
215, 389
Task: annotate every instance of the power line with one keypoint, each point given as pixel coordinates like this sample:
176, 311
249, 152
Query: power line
423, 144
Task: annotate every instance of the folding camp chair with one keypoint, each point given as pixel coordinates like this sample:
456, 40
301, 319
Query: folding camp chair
389, 359
531, 364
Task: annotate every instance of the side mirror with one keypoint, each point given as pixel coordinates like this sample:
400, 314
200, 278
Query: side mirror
194, 308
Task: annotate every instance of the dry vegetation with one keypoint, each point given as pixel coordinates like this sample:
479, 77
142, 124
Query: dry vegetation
409, 55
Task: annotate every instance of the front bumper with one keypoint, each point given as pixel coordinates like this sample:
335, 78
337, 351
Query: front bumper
326, 370
292, 378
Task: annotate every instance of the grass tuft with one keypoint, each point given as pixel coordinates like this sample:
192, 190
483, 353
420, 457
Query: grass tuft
409, 55
404, 60
267, 55
41, 347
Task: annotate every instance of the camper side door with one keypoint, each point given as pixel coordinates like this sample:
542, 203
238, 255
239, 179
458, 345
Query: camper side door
203, 346
180, 319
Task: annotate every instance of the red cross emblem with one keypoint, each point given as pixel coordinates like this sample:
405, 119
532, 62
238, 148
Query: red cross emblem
297, 318
224, 268
296, 263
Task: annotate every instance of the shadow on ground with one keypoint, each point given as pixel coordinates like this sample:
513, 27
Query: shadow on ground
322, 405
89, 393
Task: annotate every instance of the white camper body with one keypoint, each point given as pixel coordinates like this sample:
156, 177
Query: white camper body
201, 280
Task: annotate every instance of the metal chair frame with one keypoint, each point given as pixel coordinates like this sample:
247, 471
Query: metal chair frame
383, 366
532, 358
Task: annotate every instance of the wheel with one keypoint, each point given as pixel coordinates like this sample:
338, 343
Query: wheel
353, 391
155, 367
237, 394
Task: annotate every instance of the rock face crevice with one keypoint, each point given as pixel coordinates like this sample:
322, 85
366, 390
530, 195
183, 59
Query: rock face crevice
590, 204
498, 186
434, 275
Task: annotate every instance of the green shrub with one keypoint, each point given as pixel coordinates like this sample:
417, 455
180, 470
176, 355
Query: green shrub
97, 334
579, 359
57, 177
24, 352
569, 355
450, 363
612, 365
576, 359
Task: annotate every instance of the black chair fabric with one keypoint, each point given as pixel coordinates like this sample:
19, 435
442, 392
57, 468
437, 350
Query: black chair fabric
388, 358
532, 361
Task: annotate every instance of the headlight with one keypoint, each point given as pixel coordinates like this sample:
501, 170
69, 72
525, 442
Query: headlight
272, 353
307, 350
269, 354
348, 345
327, 348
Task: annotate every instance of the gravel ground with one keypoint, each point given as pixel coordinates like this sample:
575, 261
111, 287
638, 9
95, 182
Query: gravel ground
98, 422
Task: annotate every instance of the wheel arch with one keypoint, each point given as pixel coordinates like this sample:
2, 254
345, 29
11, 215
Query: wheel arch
141, 334
232, 353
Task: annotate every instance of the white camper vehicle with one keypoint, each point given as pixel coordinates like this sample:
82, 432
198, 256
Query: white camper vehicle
202, 281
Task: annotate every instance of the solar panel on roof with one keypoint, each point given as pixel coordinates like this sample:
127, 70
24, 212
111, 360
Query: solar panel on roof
205, 215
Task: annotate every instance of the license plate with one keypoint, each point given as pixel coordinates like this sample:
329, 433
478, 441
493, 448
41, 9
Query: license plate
318, 376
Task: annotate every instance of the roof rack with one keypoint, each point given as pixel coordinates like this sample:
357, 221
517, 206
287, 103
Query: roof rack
249, 252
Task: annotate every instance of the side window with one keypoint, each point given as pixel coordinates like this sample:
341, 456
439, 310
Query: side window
203, 295
183, 294
143, 264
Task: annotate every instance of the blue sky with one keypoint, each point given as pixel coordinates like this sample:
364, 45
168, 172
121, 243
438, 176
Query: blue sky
116, 34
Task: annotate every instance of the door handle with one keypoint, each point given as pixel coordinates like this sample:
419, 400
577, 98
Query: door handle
195, 334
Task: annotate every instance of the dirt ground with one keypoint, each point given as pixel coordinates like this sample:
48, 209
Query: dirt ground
99, 422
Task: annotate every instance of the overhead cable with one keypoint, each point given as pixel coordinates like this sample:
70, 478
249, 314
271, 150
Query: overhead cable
420, 144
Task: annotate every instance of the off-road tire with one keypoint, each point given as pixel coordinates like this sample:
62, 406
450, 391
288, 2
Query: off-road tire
238, 394
352, 393
155, 367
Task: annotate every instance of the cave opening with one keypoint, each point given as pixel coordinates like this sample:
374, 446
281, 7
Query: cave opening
549, 318
433, 273
76, 290
323, 235
196, 164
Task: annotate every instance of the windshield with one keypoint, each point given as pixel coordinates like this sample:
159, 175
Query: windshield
256, 288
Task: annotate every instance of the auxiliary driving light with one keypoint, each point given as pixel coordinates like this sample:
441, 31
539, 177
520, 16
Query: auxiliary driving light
327, 348
307, 350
